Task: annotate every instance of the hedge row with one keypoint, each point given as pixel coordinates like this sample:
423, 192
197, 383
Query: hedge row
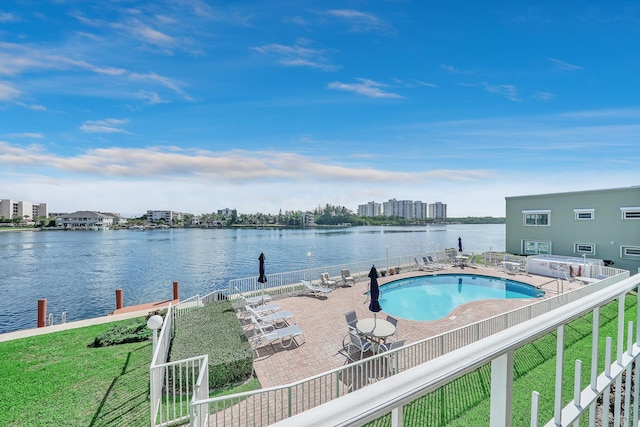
216, 331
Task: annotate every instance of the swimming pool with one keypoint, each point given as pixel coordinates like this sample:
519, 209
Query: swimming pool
433, 297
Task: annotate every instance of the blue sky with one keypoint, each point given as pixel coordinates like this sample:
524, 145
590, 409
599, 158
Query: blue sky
196, 106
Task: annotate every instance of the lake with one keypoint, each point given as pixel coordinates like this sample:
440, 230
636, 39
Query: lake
79, 271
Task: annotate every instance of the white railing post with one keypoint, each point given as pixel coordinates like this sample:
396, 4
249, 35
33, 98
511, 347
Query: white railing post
501, 390
557, 413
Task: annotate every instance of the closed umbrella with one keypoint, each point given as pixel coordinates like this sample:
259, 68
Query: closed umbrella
374, 292
459, 244
262, 278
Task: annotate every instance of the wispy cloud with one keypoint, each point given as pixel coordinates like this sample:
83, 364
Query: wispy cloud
164, 81
508, 91
564, 66
413, 83
365, 87
8, 17
360, 22
8, 92
543, 96
104, 126
298, 55
453, 70
26, 135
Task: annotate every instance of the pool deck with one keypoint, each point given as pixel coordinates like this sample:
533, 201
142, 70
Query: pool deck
324, 326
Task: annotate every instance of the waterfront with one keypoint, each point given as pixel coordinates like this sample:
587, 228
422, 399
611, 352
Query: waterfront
78, 272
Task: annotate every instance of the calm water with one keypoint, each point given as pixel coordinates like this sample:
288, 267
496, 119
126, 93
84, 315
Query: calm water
79, 271
433, 297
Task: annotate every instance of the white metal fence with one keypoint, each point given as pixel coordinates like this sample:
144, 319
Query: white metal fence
174, 384
267, 406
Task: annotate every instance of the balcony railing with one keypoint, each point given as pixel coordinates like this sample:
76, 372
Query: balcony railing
392, 395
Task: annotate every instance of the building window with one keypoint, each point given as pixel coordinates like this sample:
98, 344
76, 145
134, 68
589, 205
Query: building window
584, 248
632, 252
584, 214
630, 213
536, 218
531, 247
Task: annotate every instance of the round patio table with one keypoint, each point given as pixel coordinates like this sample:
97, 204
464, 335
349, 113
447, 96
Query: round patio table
376, 330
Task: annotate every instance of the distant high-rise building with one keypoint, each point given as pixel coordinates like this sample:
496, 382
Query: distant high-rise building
370, 209
438, 211
405, 208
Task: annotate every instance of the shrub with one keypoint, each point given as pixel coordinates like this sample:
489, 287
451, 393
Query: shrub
216, 331
134, 330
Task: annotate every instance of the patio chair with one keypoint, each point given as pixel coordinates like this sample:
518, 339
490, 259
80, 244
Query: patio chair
326, 281
394, 322
268, 334
347, 278
392, 359
357, 344
279, 318
316, 291
351, 318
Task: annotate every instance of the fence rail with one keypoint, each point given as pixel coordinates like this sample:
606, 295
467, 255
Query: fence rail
271, 405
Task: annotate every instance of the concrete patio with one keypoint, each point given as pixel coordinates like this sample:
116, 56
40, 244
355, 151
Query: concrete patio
324, 326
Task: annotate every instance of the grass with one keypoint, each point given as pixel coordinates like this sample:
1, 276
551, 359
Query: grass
465, 401
57, 379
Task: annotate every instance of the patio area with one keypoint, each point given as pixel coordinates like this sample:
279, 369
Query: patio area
324, 325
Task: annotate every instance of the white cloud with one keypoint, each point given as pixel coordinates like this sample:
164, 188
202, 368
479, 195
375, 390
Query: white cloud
366, 87
298, 55
104, 126
8, 92
508, 91
8, 17
564, 66
360, 21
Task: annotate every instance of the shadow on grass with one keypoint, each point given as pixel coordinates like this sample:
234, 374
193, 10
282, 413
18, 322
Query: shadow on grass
125, 402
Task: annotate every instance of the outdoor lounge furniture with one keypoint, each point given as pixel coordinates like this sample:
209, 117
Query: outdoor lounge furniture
347, 278
254, 300
394, 322
316, 291
268, 334
262, 309
326, 281
429, 262
357, 344
352, 318
277, 318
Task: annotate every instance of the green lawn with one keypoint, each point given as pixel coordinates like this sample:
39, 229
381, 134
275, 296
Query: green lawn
55, 379
465, 401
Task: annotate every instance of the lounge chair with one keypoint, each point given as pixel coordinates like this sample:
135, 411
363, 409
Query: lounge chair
347, 278
277, 318
268, 334
254, 300
262, 309
326, 281
430, 263
316, 291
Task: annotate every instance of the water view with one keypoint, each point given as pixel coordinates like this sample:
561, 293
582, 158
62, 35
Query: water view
78, 272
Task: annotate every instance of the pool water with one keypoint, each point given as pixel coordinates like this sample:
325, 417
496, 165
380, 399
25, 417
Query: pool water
433, 297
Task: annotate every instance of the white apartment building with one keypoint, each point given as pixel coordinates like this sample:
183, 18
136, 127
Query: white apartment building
20, 209
405, 208
438, 211
370, 209
167, 216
